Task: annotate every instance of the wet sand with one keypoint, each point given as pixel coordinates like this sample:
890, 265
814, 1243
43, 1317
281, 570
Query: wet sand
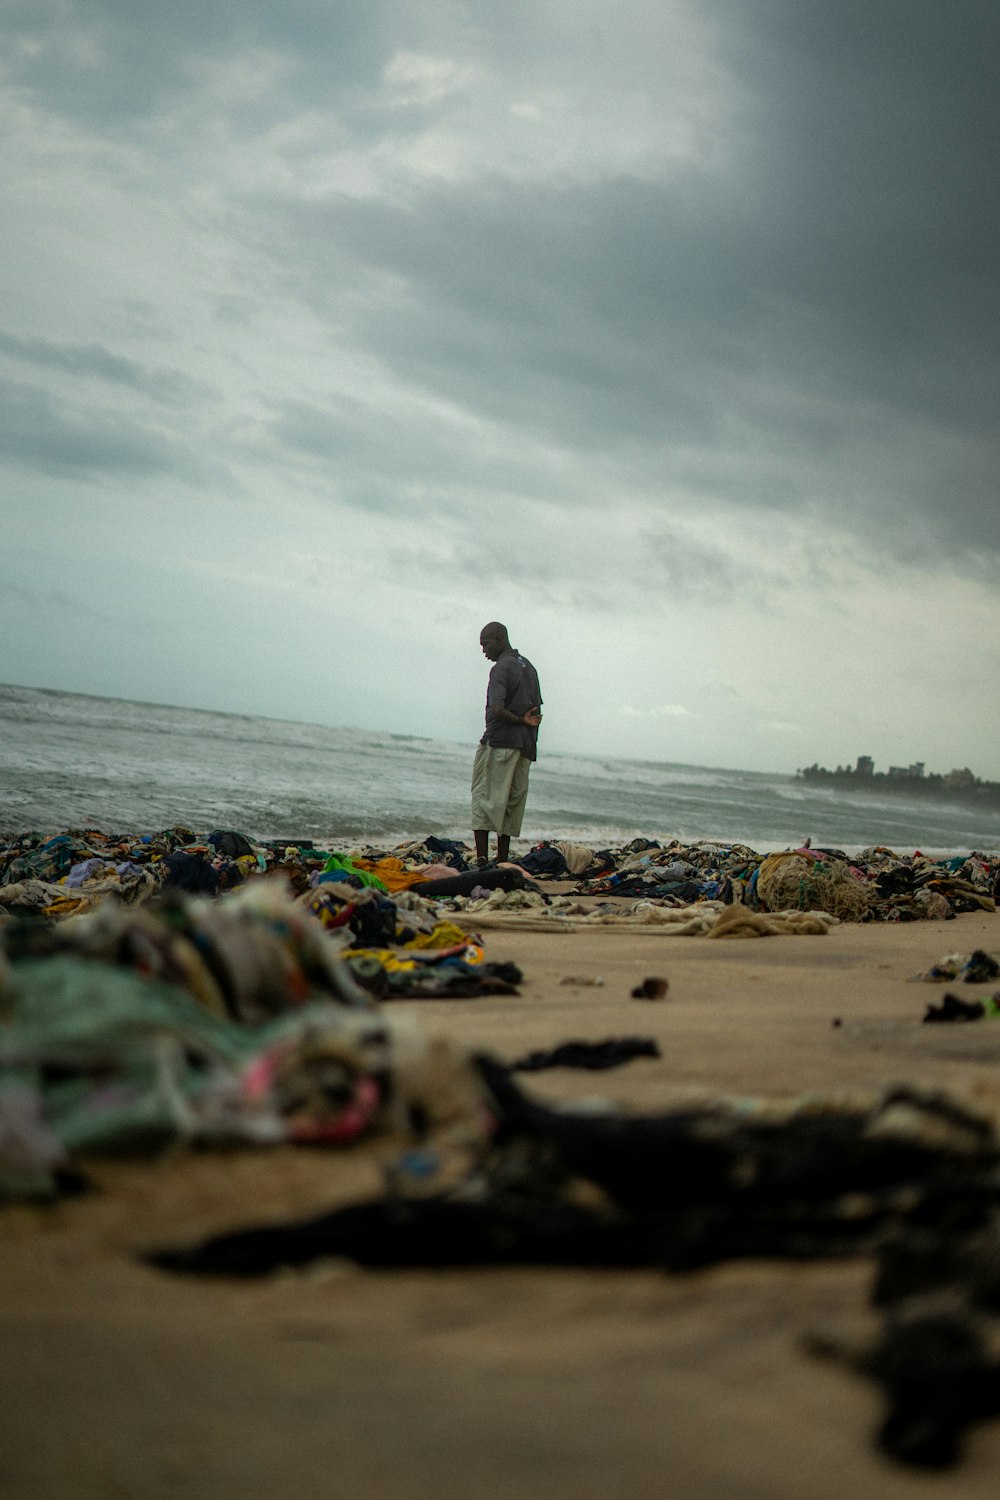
117, 1380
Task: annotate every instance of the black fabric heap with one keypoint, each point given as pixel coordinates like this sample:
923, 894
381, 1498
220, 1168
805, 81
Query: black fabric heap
592, 1055
685, 1188
916, 1180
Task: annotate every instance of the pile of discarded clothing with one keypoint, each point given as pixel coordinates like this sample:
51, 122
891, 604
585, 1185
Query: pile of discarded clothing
207, 1022
399, 946
341, 918
876, 885
63, 875
380, 911
67, 873
968, 968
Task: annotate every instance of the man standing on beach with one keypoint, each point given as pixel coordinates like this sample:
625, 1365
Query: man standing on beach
508, 746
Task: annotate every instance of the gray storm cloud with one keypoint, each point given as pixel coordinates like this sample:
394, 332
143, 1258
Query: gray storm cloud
672, 320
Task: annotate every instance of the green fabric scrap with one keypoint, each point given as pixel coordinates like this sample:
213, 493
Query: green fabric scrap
342, 863
122, 1063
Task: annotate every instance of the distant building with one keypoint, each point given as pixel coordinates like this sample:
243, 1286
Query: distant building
917, 769
865, 766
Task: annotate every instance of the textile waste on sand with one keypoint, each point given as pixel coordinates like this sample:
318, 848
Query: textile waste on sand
167, 988
62, 875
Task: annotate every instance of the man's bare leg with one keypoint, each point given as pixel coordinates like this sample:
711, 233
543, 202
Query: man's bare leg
503, 846
482, 838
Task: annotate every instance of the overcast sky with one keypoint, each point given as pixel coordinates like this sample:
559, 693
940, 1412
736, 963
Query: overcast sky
665, 331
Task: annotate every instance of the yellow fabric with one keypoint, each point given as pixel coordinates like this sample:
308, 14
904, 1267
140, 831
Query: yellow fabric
66, 906
445, 935
396, 960
391, 959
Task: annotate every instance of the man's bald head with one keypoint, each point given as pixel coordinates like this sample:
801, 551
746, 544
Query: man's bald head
494, 640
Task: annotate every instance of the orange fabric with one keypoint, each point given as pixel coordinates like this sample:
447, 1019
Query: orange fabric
392, 872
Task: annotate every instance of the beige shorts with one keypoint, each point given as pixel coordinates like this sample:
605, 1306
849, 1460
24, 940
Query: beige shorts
499, 789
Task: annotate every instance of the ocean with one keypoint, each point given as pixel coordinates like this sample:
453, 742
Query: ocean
68, 760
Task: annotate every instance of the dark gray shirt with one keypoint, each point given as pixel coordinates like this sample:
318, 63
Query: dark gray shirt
513, 685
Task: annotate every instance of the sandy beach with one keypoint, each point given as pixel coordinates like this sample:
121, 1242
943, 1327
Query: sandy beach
499, 597
122, 1380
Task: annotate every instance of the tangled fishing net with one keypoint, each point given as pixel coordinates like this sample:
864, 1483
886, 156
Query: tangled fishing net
794, 882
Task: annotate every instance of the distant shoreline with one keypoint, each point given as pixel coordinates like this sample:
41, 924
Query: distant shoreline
958, 789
